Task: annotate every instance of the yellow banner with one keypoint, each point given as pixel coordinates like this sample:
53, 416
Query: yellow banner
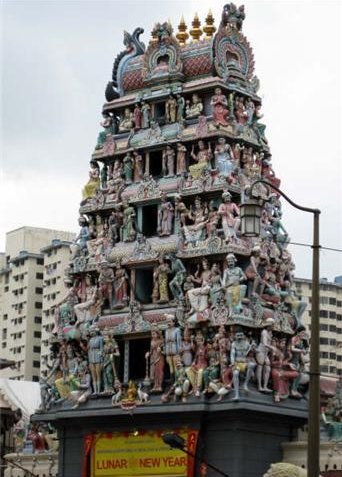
138, 454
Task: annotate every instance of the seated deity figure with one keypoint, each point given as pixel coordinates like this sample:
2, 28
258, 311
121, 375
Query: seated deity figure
199, 297
233, 277
109, 126
198, 216
202, 160
93, 184
240, 362
127, 121
194, 108
230, 217
200, 363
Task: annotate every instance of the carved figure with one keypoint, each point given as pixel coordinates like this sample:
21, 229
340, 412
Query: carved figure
240, 349
165, 217
202, 159
95, 358
137, 115
230, 217
181, 159
195, 372
146, 115
283, 372
179, 271
171, 109
194, 108
233, 277
219, 105
128, 232
105, 281
83, 386
157, 361
120, 288
80, 242
138, 166
128, 167
173, 344
127, 121
83, 310
109, 127
263, 353
180, 108
169, 161
160, 282
93, 184
111, 353
224, 157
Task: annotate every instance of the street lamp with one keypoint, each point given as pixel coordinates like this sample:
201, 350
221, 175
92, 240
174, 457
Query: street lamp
177, 442
250, 227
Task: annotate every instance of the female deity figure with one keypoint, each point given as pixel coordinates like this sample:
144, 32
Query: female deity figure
283, 372
165, 217
168, 161
171, 109
195, 372
202, 159
138, 166
128, 223
111, 353
181, 159
195, 108
215, 284
137, 115
198, 216
219, 104
83, 310
180, 108
93, 184
233, 277
120, 288
160, 282
224, 157
127, 122
213, 220
128, 167
157, 360
146, 115
230, 217
95, 358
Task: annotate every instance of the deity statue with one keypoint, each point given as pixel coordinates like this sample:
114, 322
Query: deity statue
173, 344
95, 358
109, 126
283, 372
146, 115
127, 122
105, 281
157, 360
111, 354
83, 386
104, 176
215, 284
198, 216
128, 232
230, 217
263, 353
181, 159
83, 310
202, 159
120, 287
240, 111
194, 108
181, 384
160, 282
128, 163
180, 108
199, 297
115, 223
187, 348
93, 184
137, 115
256, 272
213, 220
233, 277
224, 158
195, 371
240, 349
165, 217
168, 161
80, 242
138, 167
171, 109
219, 105
299, 349
179, 271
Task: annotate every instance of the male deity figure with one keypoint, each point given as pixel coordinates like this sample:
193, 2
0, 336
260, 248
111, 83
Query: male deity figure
232, 278
179, 270
239, 351
263, 352
229, 213
173, 344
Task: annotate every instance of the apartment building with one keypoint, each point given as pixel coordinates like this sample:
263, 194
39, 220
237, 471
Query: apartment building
21, 298
330, 321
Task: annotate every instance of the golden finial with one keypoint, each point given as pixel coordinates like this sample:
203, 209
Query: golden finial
154, 37
209, 29
182, 34
196, 30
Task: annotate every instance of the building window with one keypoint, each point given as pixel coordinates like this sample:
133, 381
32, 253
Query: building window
40, 261
332, 314
4, 345
39, 290
323, 314
37, 334
332, 301
36, 364
332, 328
324, 341
339, 303
36, 349
332, 355
35, 379
38, 320
38, 305
323, 327
39, 276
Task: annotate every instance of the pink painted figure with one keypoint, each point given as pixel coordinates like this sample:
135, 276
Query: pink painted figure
169, 161
181, 159
219, 104
157, 360
283, 372
229, 213
138, 168
165, 217
137, 115
195, 371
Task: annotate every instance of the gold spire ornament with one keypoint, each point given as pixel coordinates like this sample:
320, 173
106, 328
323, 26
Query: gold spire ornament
182, 34
154, 37
196, 30
209, 28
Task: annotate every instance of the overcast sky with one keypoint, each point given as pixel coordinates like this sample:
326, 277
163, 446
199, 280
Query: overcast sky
57, 57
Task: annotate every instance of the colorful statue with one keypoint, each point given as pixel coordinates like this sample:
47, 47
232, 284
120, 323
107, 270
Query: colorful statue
194, 108
224, 157
137, 115
180, 108
165, 217
111, 354
219, 104
202, 159
283, 372
171, 109
168, 161
160, 282
109, 126
93, 184
181, 159
179, 271
128, 232
95, 358
230, 217
173, 344
138, 166
146, 115
195, 371
80, 242
157, 360
128, 163
83, 310
127, 121
240, 362
105, 281
263, 353
233, 277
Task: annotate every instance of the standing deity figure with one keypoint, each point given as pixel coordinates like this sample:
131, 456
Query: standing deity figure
138, 167
95, 358
213, 220
219, 105
165, 217
230, 217
109, 126
215, 284
240, 111
157, 360
179, 271
128, 223
239, 351
233, 277
114, 224
187, 348
263, 353
105, 281
127, 121
80, 242
146, 115
137, 115
120, 288
171, 109
298, 349
283, 372
200, 363
111, 354
224, 157
128, 164
173, 344
181, 159
169, 161
180, 108
93, 184
256, 272
160, 292
194, 108
202, 159
83, 310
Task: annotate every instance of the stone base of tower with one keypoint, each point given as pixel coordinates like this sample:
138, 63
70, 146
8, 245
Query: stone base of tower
241, 438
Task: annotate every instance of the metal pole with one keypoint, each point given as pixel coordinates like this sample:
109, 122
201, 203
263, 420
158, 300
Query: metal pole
314, 389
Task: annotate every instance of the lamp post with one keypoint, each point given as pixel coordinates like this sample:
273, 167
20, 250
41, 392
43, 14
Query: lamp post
177, 442
250, 227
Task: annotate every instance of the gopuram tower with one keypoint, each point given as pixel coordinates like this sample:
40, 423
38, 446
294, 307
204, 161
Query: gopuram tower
174, 320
